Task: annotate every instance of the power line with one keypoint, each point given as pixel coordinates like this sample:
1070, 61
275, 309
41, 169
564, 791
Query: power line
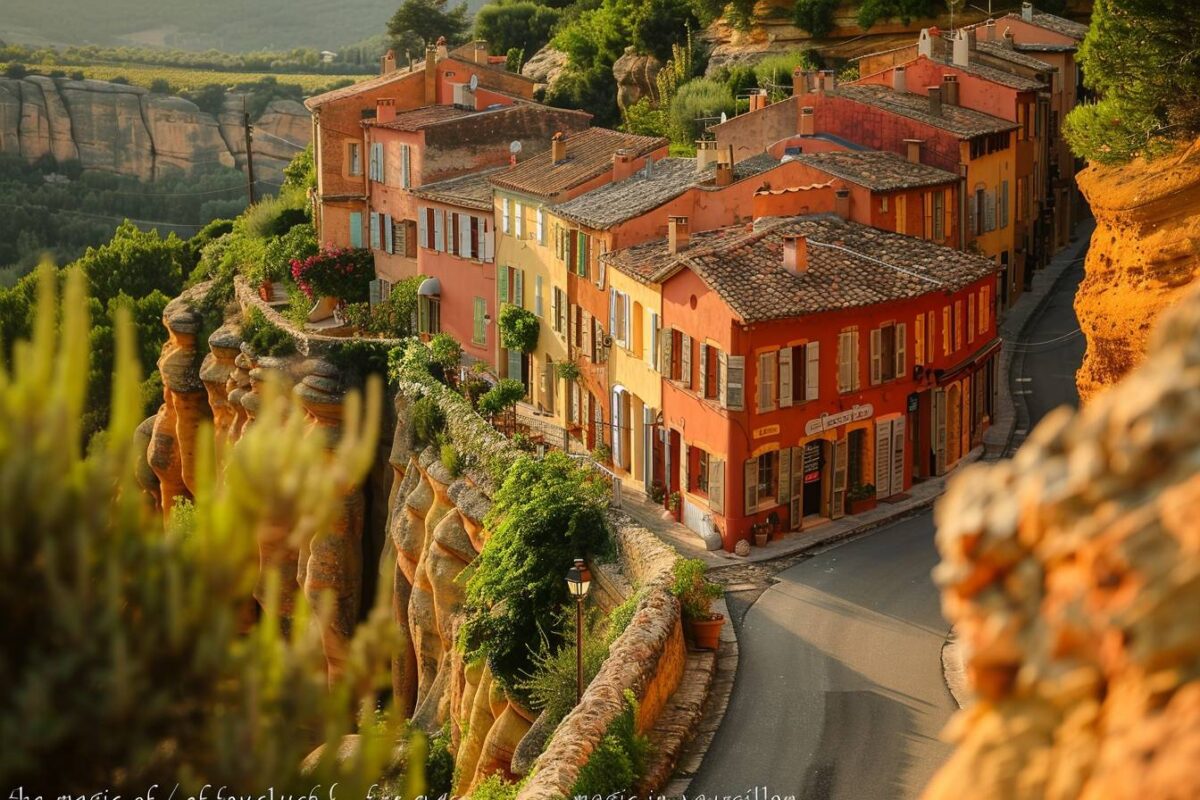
104, 216
260, 132
1028, 345
934, 281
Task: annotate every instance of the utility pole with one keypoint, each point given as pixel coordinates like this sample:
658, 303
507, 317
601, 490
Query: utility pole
249, 152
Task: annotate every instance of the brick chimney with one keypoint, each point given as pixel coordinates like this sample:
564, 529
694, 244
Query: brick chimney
841, 202
706, 154
624, 164
1027, 12
808, 121
758, 100
430, 75
387, 64
558, 147
724, 173
950, 89
899, 82
481, 52
442, 50
795, 253
828, 81
935, 101
962, 48
913, 149
385, 109
678, 234
725, 155
800, 84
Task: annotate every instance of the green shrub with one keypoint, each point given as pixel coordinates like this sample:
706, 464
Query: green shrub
280, 251
445, 351
697, 99
776, 70
301, 171
427, 421
494, 787
439, 765
567, 370
644, 119
451, 460
872, 11
693, 589
209, 233
344, 273
1113, 131
264, 337
502, 397
619, 761
516, 25
551, 687
546, 514
274, 215
358, 358
815, 16
518, 329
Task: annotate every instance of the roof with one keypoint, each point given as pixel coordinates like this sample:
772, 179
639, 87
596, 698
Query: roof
472, 190
1055, 23
589, 155
962, 122
849, 265
998, 50
876, 170
1038, 47
1002, 77
912, 46
417, 68
419, 118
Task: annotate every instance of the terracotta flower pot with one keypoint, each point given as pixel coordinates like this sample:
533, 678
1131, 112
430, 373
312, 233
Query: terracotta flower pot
760, 538
266, 291
859, 506
323, 309
706, 633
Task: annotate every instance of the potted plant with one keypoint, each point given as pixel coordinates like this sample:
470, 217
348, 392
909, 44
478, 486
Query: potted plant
762, 532
675, 504
333, 277
773, 522
658, 493
696, 594
860, 498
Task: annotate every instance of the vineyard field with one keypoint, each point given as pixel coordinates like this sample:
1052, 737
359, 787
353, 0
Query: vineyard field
182, 79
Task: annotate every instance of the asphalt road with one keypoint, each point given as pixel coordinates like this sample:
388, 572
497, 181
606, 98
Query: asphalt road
839, 691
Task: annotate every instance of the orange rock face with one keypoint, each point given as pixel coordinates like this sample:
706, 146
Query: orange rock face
1072, 574
1143, 255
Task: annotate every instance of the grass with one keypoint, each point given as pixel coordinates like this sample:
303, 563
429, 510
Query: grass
184, 79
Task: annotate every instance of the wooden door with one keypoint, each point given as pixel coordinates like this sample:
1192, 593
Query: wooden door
837, 496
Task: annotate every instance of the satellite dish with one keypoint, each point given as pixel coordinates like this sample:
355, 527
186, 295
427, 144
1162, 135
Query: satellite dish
474, 82
724, 118
515, 147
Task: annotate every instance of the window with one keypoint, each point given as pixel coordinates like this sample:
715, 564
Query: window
919, 339
970, 318
681, 357
711, 367
766, 479
405, 166
887, 352
505, 215
375, 163
618, 317
582, 246
946, 331
985, 309
701, 471
519, 220
356, 229
429, 315
540, 231
1003, 204
978, 207
537, 295
958, 325
939, 215
376, 238
511, 285
479, 331
930, 337
848, 360
766, 381
559, 309
653, 333
353, 159
735, 382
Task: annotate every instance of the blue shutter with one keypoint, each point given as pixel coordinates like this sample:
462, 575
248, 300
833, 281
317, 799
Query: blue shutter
388, 242
356, 229
375, 231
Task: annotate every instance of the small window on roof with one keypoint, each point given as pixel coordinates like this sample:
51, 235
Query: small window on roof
793, 150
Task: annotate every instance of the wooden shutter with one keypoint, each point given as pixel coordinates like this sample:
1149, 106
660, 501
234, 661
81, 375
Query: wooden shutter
537, 295
505, 215
375, 243
722, 374
898, 438
939, 430
405, 166
703, 369
716, 485
389, 234
971, 317
574, 390
919, 339
439, 230
958, 325
946, 330
784, 493
785, 377
356, 229
685, 360
601, 267
735, 382
837, 501
489, 245
876, 355
518, 295
655, 343
883, 458
989, 210
612, 312
812, 370
519, 220
901, 345
844, 361
683, 466
502, 280
479, 334
554, 309
750, 475
541, 226
465, 225
766, 382
589, 337
973, 214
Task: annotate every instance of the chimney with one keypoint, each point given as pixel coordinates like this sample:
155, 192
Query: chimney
925, 43
828, 79
481, 52
913, 149
558, 148
385, 109
758, 100
989, 28
678, 234
430, 75
1027, 12
442, 50
808, 122
962, 49
724, 173
899, 84
799, 82
706, 154
795, 253
624, 164
387, 64
935, 101
1008, 38
841, 202
950, 89
725, 155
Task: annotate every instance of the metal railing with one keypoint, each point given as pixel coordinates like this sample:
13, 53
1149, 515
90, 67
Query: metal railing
613, 478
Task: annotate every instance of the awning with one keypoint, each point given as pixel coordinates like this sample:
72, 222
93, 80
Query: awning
430, 287
978, 357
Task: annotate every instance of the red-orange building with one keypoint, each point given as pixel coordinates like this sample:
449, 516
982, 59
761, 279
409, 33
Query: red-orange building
339, 148
812, 360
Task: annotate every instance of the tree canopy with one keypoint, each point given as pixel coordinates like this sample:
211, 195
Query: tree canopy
428, 20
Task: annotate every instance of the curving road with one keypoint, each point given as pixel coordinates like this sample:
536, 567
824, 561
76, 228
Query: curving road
839, 690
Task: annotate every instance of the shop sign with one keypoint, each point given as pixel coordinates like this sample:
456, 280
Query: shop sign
913, 401
827, 422
769, 430
812, 462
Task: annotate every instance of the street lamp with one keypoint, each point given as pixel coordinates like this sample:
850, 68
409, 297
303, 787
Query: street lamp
579, 578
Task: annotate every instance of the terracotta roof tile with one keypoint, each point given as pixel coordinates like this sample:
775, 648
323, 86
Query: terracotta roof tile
849, 265
1055, 23
417, 68
879, 171
423, 117
998, 50
1000, 76
589, 155
962, 122
473, 190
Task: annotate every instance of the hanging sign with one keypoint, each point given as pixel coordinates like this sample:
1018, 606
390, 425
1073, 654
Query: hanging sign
827, 422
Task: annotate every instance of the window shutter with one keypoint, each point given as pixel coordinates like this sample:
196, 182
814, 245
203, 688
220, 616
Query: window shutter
601, 270
374, 224
685, 360
503, 281
972, 213
612, 311
784, 494
505, 215
703, 369
751, 480
654, 355
389, 241
989, 210
464, 236
439, 230
1003, 204
901, 346
854, 370
405, 166
382, 164
480, 309
844, 361
589, 336
356, 229
537, 295
722, 375
519, 220
735, 377
883, 454
919, 339
876, 363
558, 242
571, 337
665, 359
812, 374
766, 382
716, 485
518, 295
683, 467
898, 455
785, 377
541, 226
574, 390
489, 245
958, 325
554, 309
939, 430
422, 228
946, 349
837, 503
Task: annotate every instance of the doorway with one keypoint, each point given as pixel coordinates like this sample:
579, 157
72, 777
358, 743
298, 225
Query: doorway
815, 456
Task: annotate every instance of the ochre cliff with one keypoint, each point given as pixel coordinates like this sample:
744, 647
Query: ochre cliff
1144, 253
1072, 575
125, 130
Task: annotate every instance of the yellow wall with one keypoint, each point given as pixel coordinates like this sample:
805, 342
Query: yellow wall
632, 368
989, 171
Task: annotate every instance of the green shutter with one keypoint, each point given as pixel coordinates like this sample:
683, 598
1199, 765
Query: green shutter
503, 284
356, 229
480, 310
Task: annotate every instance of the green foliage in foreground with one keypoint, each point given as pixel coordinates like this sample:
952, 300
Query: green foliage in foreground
620, 760
546, 514
1141, 57
137, 663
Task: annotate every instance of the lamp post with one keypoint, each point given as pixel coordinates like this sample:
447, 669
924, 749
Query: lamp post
579, 578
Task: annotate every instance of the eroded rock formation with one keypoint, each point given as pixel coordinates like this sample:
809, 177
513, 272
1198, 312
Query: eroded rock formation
636, 77
1144, 254
111, 127
1072, 574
